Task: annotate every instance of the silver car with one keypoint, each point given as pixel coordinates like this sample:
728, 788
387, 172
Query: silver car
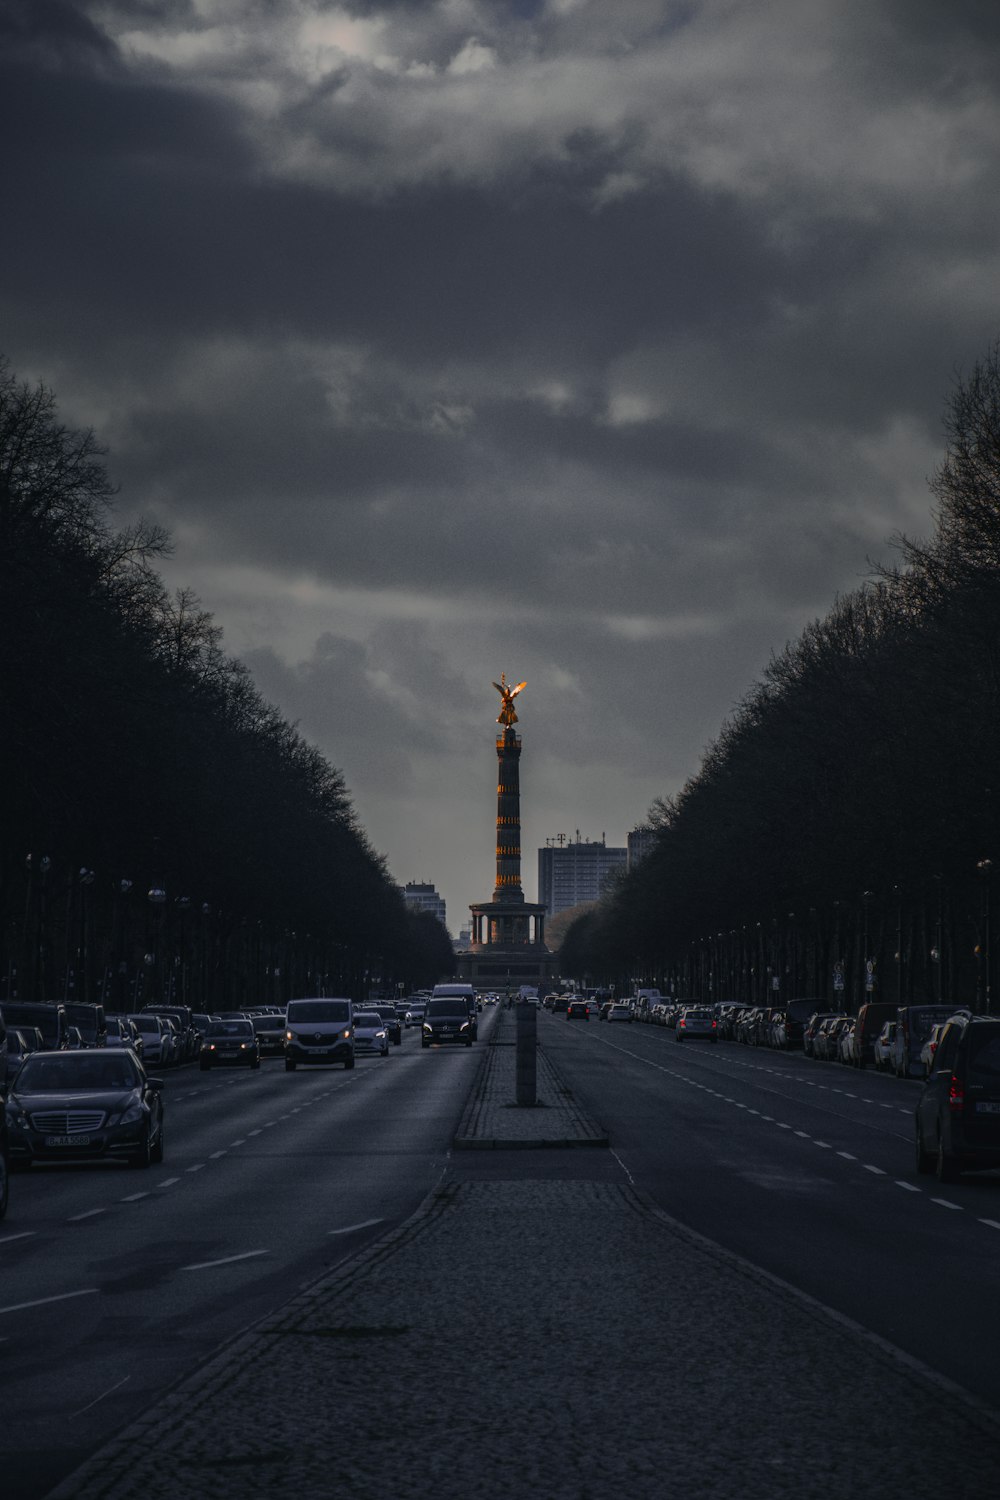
370, 1033
700, 1024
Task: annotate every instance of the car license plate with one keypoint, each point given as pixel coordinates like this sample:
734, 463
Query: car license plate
984, 1108
67, 1140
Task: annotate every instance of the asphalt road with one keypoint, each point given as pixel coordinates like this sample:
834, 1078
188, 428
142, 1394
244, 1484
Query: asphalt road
114, 1282
807, 1170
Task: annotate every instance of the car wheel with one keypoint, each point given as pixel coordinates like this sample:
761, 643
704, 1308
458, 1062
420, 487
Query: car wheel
947, 1167
156, 1152
925, 1161
289, 1065
349, 1062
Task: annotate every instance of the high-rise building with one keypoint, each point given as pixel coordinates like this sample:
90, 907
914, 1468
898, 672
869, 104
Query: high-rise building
575, 870
424, 897
640, 841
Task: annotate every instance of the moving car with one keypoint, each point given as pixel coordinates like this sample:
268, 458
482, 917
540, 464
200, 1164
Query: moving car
578, 1010
696, 1024
958, 1112
319, 1031
232, 1042
619, 1012
370, 1034
390, 1020
446, 1019
85, 1105
270, 1033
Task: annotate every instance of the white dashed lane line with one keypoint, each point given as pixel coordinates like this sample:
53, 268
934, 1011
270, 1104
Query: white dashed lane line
25, 1234
90, 1214
227, 1260
802, 1134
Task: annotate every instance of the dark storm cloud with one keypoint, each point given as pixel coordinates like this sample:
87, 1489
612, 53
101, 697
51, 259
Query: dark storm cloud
603, 342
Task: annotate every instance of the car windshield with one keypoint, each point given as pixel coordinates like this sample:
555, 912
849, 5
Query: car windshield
266, 1023
45, 1017
44, 1073
453, 1007
367, 1018
147, 1023
231, 1028
304, 1012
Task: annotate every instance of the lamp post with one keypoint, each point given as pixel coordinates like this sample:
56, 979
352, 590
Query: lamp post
157, 897
985, 868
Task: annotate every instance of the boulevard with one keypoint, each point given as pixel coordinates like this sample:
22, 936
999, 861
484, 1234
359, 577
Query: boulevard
117, 1284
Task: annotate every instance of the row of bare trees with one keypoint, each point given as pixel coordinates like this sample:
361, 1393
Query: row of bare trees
838, 839
164, 829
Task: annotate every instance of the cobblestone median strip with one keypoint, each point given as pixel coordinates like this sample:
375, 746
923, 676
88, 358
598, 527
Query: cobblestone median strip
564, 1340
493, 1121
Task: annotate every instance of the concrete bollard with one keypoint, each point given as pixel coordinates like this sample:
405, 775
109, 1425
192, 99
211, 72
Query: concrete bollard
524, 1055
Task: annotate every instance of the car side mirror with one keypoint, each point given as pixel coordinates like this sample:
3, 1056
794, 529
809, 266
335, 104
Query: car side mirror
156, 1084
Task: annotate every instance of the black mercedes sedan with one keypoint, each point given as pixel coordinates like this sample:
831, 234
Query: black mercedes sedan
74, 1106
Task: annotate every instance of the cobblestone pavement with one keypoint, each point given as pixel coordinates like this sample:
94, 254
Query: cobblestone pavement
560, 1340
493, 1119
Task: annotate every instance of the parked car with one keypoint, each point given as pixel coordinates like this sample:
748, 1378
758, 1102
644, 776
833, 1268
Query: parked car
847, 1043
18, 1048
121, 1031
827, 1038
871, 1018
370, 1034
4, 1164
69, 1106
229, 1042
319, 1031
157, 1045
89, 1020
914, 1024
812, 1026
958, 1112
50, 1019
929, 1048
882, 1050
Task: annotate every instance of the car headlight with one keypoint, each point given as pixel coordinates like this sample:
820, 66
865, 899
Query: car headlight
428, 1026
18, 1120
464, 1026
243, 1046
379, 1034
131, 1115
347, 1034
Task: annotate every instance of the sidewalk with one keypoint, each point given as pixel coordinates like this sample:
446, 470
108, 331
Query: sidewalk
492, 1120
558, 1340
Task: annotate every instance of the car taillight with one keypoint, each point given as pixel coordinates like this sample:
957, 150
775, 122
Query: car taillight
682, 1021
956, 1093
714, 1024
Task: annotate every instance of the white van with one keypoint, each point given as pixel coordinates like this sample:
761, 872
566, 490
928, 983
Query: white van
319, 1031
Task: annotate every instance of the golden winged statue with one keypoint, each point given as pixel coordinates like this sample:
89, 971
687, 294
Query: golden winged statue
507, 715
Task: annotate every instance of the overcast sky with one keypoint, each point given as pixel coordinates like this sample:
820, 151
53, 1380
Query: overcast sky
601, 342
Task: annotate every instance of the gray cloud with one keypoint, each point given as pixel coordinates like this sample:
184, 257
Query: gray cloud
603, 344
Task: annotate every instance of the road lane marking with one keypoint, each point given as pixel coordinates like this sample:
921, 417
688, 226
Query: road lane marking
90, 1291
365, 1224
25, 1234
133, 1198
234, 1144
944, 1202
90, 1214
990, 1223
847, 1156
252, 1133
168, 1182
824, 1145
907, 1185
111, 1388
228, 1260
877, 1170
200, 1167
215, 1155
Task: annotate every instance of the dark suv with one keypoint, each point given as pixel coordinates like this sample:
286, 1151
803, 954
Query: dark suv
447, 1019
958, 1113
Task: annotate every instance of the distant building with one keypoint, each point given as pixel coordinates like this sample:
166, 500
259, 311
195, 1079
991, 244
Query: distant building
424, 898
640, 841
575, 870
